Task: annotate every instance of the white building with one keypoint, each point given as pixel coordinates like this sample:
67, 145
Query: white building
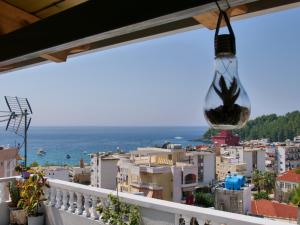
254, 157
104, 170
206, 166
59, 173
287, 157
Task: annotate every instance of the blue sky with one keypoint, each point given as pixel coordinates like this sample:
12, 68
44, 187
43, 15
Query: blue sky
163, 82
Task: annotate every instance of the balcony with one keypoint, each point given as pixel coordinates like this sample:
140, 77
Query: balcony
75, 204
151, 186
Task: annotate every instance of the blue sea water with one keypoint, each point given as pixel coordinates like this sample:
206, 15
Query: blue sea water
79, 141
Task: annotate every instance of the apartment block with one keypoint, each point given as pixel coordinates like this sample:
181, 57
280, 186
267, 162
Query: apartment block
104, 169
287, 157
285, 183
253, 157
169, 173
227, 164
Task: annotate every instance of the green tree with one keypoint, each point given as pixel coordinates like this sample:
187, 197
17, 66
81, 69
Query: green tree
269, 181
261, 195
295, 199
276, 128
204, 199
34, 164
258, 180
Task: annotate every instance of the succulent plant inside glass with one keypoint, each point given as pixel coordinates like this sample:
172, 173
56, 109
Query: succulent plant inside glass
227, 105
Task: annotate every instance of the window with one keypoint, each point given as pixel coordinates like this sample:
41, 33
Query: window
281, 185
288, 186
170, 157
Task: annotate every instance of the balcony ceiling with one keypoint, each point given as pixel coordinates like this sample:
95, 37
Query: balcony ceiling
34, 32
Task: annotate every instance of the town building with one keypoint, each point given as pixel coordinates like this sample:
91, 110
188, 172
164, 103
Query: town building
274, 210
166, 173
235, 196
206, 164
81, 175
8, 161
287, 157
104, 169
59, 173
253, 157
225, 137
227, 164
285, 183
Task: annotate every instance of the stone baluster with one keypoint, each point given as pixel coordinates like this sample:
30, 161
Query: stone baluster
94, 215
79, 203
47, 192
52, 196
58, 199
2, 192
86, 211
65, 200
71, 202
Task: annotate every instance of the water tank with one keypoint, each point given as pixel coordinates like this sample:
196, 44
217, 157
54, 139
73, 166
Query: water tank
234, 182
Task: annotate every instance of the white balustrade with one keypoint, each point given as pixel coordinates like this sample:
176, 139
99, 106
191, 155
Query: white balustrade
65, 200
80, 200
86, 211
71, 202
52, 197
94, 214
79, 203
58, 199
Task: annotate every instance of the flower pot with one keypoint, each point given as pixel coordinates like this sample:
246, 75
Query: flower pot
17, 216
36, 220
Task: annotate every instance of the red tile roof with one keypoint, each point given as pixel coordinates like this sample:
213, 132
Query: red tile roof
290, 176
274, 209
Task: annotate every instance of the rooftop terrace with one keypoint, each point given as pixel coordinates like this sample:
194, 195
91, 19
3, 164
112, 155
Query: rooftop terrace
75, 204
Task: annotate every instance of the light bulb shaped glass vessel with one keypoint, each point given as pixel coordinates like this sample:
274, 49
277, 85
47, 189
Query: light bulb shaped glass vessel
227, 105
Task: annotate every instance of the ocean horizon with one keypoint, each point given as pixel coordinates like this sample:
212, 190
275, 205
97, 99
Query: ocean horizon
80, 141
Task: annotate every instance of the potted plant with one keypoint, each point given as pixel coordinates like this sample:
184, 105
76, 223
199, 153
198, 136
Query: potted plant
31, 197
119, 213
24, 171
17, 215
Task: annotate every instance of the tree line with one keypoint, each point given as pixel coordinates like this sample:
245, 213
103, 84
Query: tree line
274, 127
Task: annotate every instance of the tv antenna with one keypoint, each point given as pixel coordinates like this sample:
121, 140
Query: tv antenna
19, 119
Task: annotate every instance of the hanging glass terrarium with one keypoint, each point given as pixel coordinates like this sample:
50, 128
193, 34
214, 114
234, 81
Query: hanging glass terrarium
227, 105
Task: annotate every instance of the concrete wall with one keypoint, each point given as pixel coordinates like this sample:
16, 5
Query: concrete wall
209, 168
108, 174
177, 191
261, 158
4, 213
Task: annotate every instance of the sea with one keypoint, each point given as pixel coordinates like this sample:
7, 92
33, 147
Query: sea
79, 142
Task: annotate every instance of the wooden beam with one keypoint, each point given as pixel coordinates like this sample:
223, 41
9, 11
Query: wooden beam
209, 19
12, 18
131, 22
77, 26
57, 56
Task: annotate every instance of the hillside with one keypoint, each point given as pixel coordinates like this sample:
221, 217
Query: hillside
274, 127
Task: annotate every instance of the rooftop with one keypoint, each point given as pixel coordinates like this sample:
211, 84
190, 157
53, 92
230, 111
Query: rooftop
290, 176
274, 209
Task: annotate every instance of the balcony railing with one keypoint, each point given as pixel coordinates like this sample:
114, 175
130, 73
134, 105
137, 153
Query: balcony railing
75, 204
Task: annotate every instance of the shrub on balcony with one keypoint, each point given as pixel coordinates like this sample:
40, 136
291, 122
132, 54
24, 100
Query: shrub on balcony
204, 199
119, 213
261, 195
32, 194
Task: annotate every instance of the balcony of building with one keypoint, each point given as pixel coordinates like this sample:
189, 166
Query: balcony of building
75, 204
